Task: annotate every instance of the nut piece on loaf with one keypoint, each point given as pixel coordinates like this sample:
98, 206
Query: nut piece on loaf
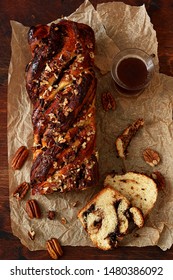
139, 189
107, 216
61, 84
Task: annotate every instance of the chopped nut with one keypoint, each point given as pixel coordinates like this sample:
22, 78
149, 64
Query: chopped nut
151, 157
51, 215
47, 68
31, 234
108, 101
90, 46
74, 204
159, 179
33, 209
75, 91
54, 248
50, 88
21, 190
80, 58
44, 82
19, 158
91, 54
123, 140
84, 145
63, 220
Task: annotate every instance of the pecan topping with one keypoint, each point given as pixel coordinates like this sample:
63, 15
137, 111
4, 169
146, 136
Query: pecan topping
21, 190
108, 101
54, 248
33, 209
51, 215
19, 158
159, 179
151, 157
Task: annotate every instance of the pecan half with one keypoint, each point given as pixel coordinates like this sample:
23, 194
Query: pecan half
151, 157
33, 209
159, 179
21, 190
54, 248
108, 101
19, 158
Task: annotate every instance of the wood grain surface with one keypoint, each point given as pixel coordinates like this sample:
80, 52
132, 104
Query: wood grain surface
31, 12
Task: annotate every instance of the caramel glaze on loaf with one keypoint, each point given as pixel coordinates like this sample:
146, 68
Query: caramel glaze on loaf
61, 84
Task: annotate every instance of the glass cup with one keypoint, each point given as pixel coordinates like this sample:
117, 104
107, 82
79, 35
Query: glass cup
132, 71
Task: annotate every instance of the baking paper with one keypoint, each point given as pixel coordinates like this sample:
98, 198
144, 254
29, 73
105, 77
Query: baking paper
116, 26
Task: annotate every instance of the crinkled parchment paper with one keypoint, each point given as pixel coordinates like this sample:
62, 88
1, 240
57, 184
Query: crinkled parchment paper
116, 26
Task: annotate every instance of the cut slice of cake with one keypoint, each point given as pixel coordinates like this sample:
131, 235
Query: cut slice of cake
123, 140
139, 189
107, 216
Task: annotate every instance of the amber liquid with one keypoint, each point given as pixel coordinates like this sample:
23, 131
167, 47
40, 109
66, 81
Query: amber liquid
133, 73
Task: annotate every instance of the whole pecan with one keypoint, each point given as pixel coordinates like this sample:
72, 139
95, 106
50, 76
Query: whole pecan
54, 248
19, 158
21, 190
33, 209
108, 101
151, 157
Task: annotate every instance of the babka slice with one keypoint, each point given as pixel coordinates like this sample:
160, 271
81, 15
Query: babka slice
106, 218
139, 189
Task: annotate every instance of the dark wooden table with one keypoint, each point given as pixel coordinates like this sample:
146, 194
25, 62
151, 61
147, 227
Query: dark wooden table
31, 12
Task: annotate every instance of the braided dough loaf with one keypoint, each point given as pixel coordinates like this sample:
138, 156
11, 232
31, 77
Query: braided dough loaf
61, 84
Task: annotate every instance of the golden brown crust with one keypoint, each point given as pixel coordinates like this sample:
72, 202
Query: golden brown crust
61, 84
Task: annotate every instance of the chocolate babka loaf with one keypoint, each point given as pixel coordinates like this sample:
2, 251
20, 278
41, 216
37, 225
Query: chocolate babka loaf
61, 84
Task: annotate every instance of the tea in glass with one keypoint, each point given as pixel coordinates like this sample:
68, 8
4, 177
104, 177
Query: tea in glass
132, 70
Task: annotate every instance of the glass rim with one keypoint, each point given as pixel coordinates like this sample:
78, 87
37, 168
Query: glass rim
130, 51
